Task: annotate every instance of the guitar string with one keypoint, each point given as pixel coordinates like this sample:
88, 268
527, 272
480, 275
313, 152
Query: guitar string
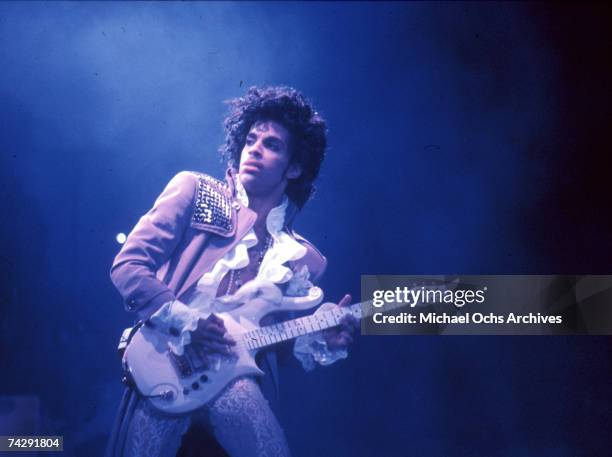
242, 339
368, 305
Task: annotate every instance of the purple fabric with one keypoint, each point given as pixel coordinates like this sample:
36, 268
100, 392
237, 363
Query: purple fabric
164, 256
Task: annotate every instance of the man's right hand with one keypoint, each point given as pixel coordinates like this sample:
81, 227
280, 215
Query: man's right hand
209, 335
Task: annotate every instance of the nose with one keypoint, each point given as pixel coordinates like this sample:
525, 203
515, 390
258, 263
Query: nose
255, 149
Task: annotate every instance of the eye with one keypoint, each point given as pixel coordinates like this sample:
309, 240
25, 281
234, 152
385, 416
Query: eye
273, 145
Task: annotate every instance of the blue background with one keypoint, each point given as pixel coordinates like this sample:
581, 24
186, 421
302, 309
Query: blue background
464, 138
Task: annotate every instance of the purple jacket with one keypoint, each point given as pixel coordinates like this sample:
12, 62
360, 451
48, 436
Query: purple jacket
194, 222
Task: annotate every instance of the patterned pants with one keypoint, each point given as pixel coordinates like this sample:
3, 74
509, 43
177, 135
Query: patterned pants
240, 419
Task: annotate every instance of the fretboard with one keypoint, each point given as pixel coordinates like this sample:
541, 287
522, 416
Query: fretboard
284, 331
288, 330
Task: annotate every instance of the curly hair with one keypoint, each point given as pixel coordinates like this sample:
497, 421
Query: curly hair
293, 111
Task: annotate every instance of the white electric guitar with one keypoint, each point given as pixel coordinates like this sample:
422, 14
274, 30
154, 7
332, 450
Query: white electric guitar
179, 384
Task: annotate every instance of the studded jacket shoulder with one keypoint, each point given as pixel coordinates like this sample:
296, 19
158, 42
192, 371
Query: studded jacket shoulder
171, 246
212, 206
160, 252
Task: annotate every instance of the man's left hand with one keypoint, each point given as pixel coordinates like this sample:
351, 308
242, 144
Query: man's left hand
341, 336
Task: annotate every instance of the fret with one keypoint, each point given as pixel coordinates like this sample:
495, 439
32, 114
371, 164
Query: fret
262, 337
279, 332
252, 341
322, 322
268, 333
296, 327
307, 325
291, 329
367, 309
260, 342
357, 311
288, 325
314, 325
256, 339
283, 332
266, 338
338, 314
329, 320
299, 327
333, 318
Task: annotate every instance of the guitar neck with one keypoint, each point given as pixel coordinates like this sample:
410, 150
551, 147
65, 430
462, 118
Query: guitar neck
288, 330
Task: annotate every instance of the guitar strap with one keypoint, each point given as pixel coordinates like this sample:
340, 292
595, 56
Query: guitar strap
126, 337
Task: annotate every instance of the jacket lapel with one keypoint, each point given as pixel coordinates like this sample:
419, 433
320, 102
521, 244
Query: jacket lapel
217, 246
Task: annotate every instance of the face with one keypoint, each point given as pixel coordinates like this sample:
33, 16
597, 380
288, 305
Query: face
264, 161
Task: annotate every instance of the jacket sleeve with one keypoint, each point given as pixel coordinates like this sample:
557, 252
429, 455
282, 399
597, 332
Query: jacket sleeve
150, 244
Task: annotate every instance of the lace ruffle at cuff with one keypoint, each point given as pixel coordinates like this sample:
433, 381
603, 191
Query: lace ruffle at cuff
312, 349
176, 320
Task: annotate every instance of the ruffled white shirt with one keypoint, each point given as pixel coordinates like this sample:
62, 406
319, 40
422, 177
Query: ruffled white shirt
178, 319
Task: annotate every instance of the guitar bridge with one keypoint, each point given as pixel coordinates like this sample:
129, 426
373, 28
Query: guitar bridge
192, 361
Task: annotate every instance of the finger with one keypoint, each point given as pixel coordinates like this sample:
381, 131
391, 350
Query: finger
215, 328
345, 339
333, 343
352, 322
341, 342
215, 347
346, 300
347, 329
204, 334
219, 339
345, 335
213, 318
212, 324
207, 364
347, 319
349, 322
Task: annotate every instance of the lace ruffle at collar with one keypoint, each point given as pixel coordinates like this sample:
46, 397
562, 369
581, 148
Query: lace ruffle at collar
284, 249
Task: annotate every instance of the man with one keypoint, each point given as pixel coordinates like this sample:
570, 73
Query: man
205, 239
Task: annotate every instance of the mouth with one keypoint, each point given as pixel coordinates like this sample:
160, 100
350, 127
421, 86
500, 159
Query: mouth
252, 165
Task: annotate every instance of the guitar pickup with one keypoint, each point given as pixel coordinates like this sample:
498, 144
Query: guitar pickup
181, 365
